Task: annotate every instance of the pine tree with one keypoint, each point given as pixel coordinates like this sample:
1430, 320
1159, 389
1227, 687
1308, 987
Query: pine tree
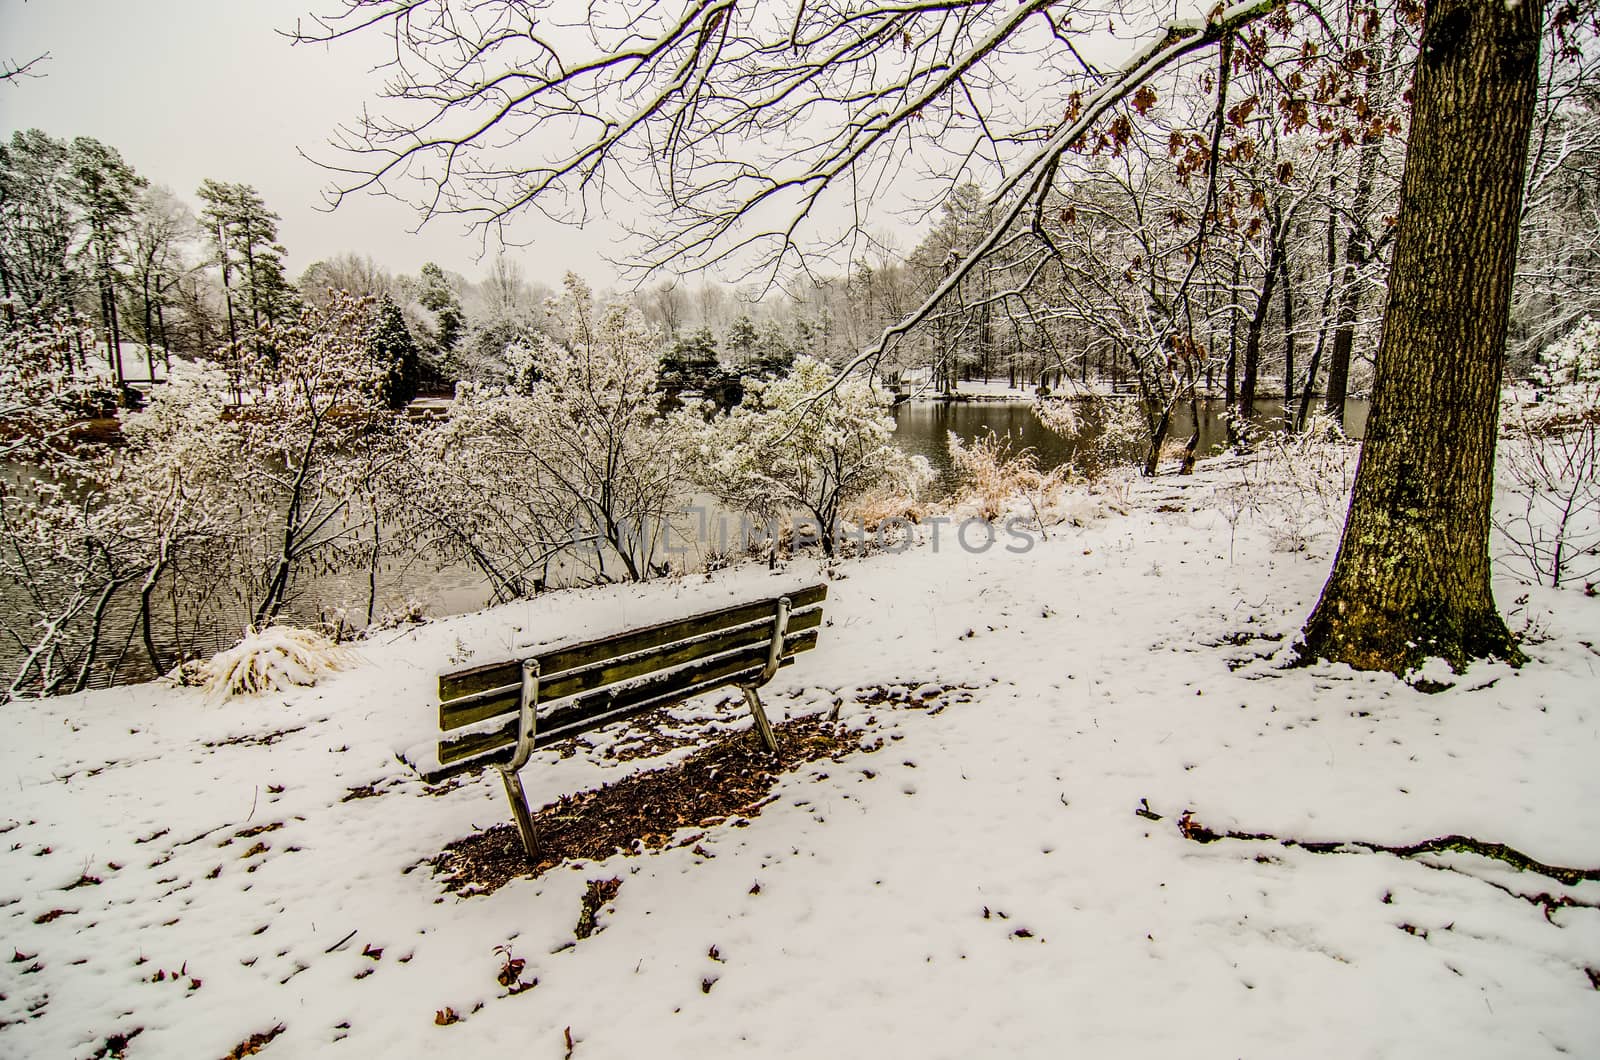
217, 221
244, 240
691, 363
38, 227
775, 352
106, 190
742, 340
390, 342
439, 298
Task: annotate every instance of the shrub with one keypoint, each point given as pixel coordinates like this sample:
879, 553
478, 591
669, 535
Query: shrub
271, 659
809, 442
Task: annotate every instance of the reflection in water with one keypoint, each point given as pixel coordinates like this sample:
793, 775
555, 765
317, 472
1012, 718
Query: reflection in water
924, 428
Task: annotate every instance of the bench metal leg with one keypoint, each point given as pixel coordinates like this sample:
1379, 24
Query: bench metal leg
780, 627
519, 810
760, 715
527, 722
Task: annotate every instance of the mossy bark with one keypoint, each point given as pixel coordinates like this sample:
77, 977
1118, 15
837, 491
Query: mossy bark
1412, 579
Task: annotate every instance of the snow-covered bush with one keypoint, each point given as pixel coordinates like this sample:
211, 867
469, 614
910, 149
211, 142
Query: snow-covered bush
806, 443
463, 492
315, 426
595, 431
575, 462
168, 501
44, 388
57, 578
270, 659
407, 612
1574, 358
225, 486
60, 569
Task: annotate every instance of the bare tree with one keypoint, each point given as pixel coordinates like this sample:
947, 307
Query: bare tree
744, 122
13, 72
730, 113
356, 274
160, 229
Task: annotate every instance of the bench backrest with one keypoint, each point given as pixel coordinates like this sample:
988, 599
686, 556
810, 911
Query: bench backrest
584, 686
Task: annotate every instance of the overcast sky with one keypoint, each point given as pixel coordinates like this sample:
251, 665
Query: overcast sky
190, 89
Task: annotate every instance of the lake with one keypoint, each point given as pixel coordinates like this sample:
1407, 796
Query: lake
924, 428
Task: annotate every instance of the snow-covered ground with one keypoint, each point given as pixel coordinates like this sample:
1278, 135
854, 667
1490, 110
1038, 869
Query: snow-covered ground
177, 876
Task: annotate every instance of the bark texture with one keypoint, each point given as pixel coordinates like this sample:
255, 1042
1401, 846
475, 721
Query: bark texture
1411, 579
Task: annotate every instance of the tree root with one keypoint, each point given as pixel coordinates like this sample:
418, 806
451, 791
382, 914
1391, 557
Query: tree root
1194, 831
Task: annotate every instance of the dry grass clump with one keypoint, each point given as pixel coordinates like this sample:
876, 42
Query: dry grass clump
994, 476
270, 659
887, 507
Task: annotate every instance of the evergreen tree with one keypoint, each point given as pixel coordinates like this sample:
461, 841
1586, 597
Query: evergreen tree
38, 227
691, 363
106, 191
390, 343
271, 296
243, 234
775, 353
217, 220
742, 340
439, 298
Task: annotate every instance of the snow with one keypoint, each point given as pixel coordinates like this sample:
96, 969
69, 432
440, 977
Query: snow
980, 884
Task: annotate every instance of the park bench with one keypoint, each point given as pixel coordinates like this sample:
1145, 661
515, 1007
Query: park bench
499, 713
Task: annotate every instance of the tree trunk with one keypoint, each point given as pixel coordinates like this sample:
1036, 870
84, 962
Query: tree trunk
149, 327
1411, 580
1252, 338
166, 344
1230, 375
1288, 343
116, 326
372, 568
1356, 246
1158, 438
1344, 335
146, 591
1310, 388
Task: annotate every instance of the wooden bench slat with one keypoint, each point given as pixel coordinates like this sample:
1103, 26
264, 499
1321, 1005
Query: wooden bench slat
507, 735
581, 713
470, 710
498, 755
477, 679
